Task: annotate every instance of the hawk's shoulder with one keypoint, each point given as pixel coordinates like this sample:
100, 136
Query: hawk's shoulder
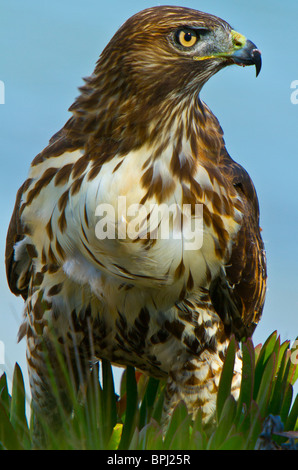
238, 294
19, 253
15, 235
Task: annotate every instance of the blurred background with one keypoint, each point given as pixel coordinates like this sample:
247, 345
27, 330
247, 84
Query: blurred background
47, 46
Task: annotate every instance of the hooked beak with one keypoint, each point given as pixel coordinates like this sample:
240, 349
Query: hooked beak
245, 52
241, 52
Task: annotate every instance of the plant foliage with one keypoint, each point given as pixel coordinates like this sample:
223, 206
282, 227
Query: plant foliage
104, 420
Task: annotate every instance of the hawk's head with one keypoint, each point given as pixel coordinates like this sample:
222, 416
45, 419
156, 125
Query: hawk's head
159, 57
176, 48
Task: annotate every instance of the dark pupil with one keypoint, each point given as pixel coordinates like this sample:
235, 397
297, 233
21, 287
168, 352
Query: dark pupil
187, 37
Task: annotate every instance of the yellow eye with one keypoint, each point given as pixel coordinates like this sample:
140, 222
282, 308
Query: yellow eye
186, 37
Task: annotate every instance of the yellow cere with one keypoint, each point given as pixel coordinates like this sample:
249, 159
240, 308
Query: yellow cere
238, 40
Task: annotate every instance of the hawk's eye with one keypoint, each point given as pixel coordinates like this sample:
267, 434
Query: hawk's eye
186, 37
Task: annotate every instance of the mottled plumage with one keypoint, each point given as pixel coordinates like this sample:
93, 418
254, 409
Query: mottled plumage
139, 131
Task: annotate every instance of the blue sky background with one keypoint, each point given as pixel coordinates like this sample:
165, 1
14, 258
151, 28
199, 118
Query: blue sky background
47, 46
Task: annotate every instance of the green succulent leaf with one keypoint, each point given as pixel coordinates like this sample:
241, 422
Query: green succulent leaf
131, 408
179, 416
8, 436
226, 378
247, 381
18, 405
134, 421
5, 398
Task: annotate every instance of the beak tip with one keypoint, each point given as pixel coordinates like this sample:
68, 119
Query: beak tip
248, 55
257, 59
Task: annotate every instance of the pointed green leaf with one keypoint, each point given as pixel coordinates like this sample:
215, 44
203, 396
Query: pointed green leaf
198, 438
292, 419
294, 362
198, 422
156, 441
228, 413
115, 437
226, 422
18, 403
282, 350
197, 441
286, 404
279, 385
150, 437
180, 440
134, 442
225, 383
158, 405
93, 424
148, 401
5, 398
180, 413
8, 436
266, 385
247, 380
235, 442
254, 428
258, 349
131, 409
266, 351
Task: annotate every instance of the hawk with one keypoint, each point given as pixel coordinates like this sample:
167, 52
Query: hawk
98, 279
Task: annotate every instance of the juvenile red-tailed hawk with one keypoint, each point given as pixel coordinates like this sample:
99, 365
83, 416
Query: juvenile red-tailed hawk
141, 153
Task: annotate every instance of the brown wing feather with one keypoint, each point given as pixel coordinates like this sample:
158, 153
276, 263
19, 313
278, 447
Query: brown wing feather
15, 234
238, 294
18, 272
